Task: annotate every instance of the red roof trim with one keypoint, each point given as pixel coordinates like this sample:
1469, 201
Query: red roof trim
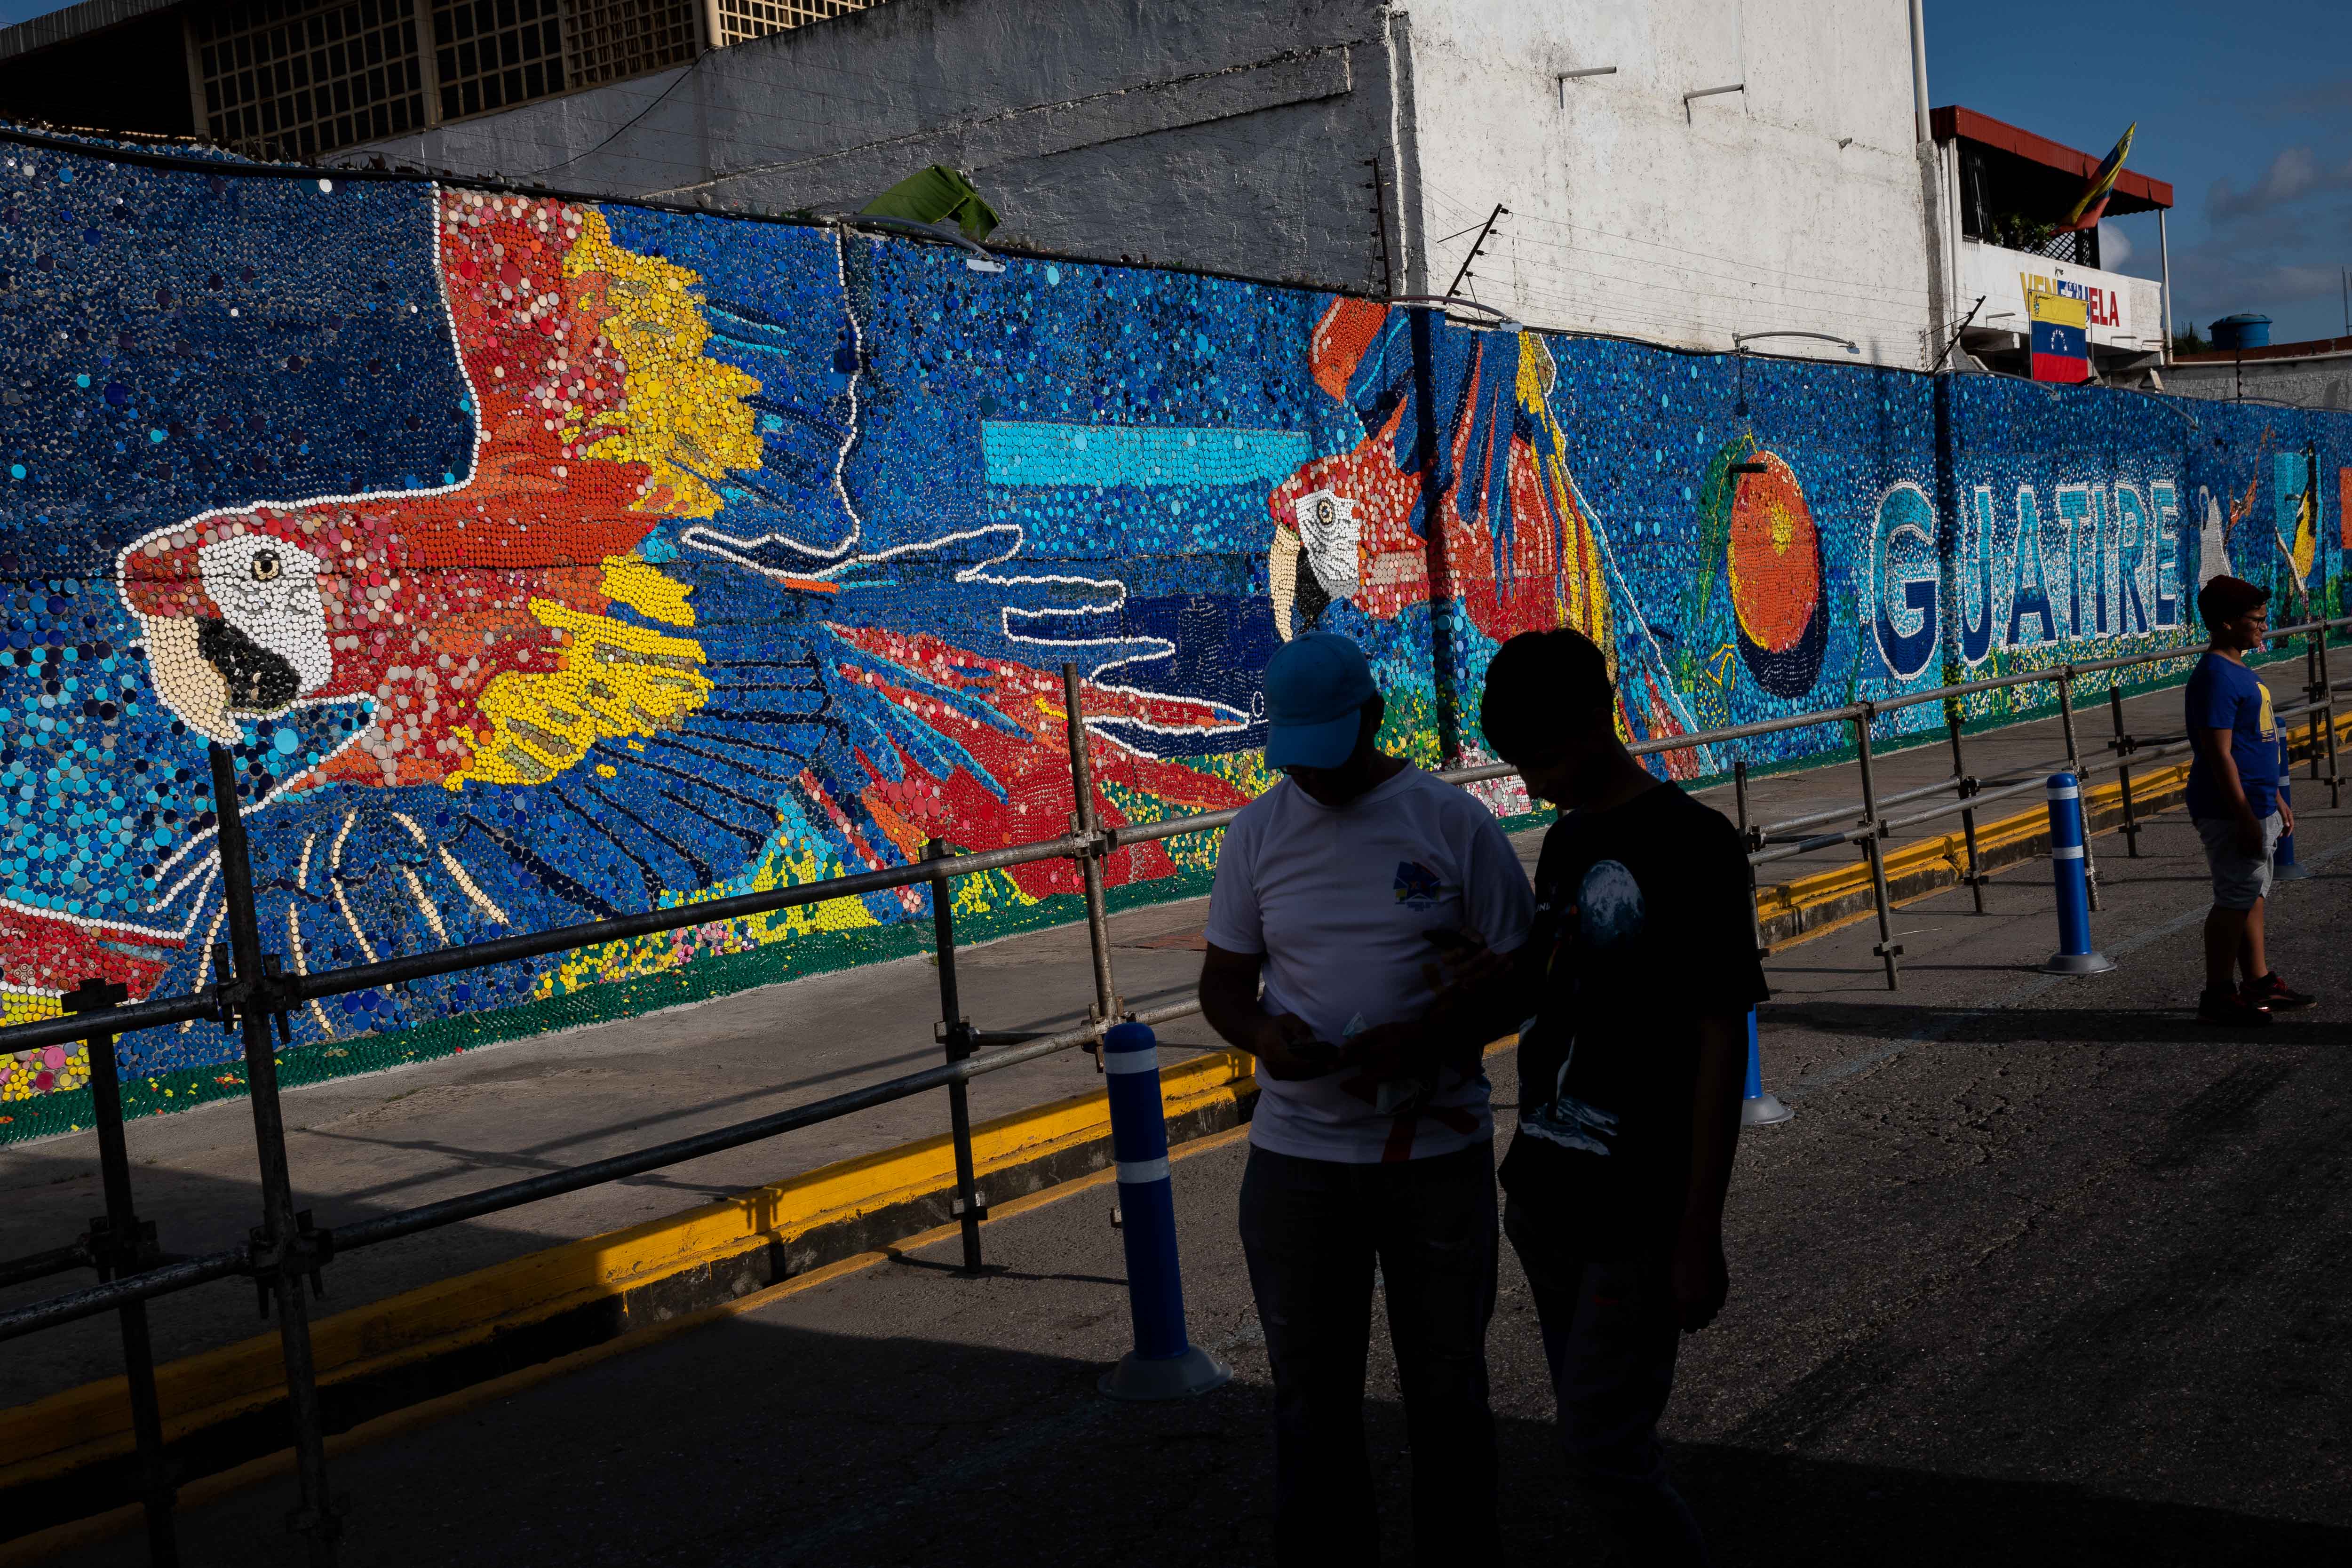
1966, 124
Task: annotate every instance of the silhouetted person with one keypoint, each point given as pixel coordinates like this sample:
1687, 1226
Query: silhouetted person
2233, 798
1344, 887
1639, 973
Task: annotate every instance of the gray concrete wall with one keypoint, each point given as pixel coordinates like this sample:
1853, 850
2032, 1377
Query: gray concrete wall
1233, 134
1219, 134
2323, 381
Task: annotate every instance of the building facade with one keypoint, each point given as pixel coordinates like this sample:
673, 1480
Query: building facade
306, 79
1699, 173
2006, 187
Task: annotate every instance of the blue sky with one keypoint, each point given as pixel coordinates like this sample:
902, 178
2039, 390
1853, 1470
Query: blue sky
2246, 109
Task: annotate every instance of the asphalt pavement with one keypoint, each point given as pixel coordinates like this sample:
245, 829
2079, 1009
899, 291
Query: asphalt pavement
2042, 1272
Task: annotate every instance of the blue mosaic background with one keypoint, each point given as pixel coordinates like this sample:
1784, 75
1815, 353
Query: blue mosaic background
862, 503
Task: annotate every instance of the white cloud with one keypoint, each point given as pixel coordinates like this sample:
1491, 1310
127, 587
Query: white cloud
2115, 247
2294, 173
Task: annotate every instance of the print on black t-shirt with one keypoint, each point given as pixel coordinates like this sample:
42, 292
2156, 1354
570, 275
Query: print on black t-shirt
1608, 913
1642, 930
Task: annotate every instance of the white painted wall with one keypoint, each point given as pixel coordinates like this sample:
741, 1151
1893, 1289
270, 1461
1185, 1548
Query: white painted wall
1630, 216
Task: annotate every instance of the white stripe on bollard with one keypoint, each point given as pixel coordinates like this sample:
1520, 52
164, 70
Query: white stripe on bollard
1165, 1364
2069, 793
2067, 852
1131, 1061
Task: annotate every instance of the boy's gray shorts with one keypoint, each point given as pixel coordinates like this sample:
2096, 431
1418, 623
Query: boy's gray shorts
2240, 880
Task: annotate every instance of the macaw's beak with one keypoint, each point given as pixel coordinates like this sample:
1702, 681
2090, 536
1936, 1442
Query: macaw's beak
208, 672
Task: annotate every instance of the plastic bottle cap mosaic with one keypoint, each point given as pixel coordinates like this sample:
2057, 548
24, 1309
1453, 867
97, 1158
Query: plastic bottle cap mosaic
540, 562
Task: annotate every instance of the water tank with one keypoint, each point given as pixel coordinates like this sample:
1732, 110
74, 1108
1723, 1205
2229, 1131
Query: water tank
2234, 332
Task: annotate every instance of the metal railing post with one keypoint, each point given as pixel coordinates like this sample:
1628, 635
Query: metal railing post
1873, 851
2074, 766
1964, 788
1752, 841
2322, 691
956, 1035
284, 1249
2123, 746
1088, 824
120, 1244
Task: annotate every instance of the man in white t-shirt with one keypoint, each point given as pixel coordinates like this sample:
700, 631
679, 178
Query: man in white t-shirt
1347, 887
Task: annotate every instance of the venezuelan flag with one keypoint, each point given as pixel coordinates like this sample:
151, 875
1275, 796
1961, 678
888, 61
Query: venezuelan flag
2094, 199
2061, 337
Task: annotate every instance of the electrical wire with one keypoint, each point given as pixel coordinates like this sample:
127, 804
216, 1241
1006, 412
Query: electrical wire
659, 99
1846, 302
1838, 288
1462, 208
217, 163
1844, 314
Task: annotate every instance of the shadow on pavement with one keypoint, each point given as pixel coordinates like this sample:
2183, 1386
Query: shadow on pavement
755, 1444
1762, 1508
2012, 1026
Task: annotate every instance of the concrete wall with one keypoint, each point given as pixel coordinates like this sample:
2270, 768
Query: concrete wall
1228, 134
533, 563
2321, 381
1630, 213
1233, 135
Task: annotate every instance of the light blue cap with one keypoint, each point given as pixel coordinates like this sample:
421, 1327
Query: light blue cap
1315, 689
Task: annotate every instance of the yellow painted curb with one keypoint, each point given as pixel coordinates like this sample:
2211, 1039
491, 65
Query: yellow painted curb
1946, 848
80, 1425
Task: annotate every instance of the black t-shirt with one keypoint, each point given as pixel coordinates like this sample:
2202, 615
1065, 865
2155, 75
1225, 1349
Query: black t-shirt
1642, 927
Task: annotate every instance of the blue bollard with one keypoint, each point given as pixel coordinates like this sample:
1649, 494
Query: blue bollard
1759, 1109
2282, 866
1165, 1364
2074, 954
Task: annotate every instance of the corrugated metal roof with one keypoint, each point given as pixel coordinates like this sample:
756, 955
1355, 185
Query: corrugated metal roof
2135, 192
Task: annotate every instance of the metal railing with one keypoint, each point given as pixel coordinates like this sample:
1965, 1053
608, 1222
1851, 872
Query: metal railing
1785, 840
255, 994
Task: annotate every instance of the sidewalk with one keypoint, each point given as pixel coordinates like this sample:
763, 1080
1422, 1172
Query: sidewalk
2041, 1272
371, 1144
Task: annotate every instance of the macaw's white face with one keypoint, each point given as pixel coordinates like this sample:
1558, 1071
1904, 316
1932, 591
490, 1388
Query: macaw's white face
268, 649
1328, 528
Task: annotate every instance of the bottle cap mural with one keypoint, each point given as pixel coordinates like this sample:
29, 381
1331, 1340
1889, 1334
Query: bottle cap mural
1779, 580
538, 561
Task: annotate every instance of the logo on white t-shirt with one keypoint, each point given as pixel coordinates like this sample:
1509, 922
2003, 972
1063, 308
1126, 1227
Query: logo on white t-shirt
1418, 887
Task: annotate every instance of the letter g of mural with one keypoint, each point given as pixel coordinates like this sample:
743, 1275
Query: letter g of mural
1903, 570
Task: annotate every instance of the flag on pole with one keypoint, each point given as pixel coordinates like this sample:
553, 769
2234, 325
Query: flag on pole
2061, 337
2094, 199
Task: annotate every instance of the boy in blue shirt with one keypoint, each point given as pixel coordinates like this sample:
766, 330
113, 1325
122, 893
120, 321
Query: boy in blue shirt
2233, 797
